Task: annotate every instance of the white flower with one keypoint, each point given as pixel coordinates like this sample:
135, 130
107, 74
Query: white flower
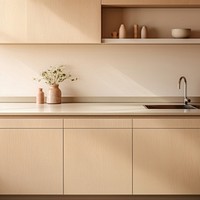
55, 75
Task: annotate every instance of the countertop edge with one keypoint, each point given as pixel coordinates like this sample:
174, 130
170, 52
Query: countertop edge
90, 109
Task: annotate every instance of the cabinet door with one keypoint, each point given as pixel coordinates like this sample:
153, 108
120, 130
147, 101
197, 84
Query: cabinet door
31, 161
166, 161
50, 21
13, 21
98, 161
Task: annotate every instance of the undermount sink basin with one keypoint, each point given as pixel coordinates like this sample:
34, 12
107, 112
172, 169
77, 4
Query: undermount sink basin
172, 107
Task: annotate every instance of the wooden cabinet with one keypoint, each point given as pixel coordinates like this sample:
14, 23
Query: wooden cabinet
98, 156
31, 156
50, 21
159, 16
166, 156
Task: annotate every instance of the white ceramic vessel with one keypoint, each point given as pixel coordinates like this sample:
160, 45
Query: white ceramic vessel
181, 33
122, 31
144, 32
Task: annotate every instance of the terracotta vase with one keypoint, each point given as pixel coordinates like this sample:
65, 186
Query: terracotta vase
135, 31
40, 96
54, 94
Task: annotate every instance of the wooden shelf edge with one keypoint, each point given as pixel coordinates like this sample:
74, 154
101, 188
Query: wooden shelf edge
194, 41
149, 6
151, 3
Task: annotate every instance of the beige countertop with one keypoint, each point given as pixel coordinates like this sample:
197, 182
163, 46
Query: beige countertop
88, 109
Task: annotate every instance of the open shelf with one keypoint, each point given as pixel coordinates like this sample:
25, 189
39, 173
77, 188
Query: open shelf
170, 41
159, 23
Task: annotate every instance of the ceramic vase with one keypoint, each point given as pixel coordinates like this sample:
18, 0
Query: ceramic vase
54, 94
114, 34
122, 31
144, 32
40, 96
135, 31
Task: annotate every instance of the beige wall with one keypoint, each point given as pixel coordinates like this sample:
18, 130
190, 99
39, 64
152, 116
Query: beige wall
103, 70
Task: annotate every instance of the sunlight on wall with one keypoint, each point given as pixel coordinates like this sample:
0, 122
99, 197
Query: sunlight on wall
103, 70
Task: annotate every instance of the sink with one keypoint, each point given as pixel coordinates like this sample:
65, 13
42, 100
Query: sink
172, 107
196, 106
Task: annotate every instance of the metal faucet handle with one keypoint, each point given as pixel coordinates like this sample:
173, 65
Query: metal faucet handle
186, 100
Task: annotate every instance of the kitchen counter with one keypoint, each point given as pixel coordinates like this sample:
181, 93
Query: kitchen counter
88, 109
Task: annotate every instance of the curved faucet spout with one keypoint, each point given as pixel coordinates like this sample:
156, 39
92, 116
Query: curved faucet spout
186, 99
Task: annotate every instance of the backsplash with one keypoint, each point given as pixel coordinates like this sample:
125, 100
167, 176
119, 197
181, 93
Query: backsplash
103, 70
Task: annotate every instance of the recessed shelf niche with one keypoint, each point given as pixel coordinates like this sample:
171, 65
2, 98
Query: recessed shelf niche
159, 22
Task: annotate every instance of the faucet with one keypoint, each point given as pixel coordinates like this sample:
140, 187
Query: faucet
186, 99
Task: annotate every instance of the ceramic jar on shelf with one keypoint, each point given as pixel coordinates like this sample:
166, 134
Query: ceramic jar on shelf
136, 31
122, 31
144, 32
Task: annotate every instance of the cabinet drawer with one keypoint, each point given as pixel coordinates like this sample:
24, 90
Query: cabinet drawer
97, 123
30, 123
166, 122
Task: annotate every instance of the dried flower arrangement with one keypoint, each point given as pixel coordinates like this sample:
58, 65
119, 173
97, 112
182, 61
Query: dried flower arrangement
55, 75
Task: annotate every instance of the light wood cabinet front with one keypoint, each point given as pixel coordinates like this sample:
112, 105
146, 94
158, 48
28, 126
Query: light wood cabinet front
98, 122
166, 122
31, 161
30, 123
98, 161
50, 21
166, 161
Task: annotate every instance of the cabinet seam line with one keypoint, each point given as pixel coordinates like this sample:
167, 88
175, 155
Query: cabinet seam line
63, 148
132, 156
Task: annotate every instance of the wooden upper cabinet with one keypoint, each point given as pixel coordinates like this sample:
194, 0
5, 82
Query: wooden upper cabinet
50, 21
156, 3
13, 21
